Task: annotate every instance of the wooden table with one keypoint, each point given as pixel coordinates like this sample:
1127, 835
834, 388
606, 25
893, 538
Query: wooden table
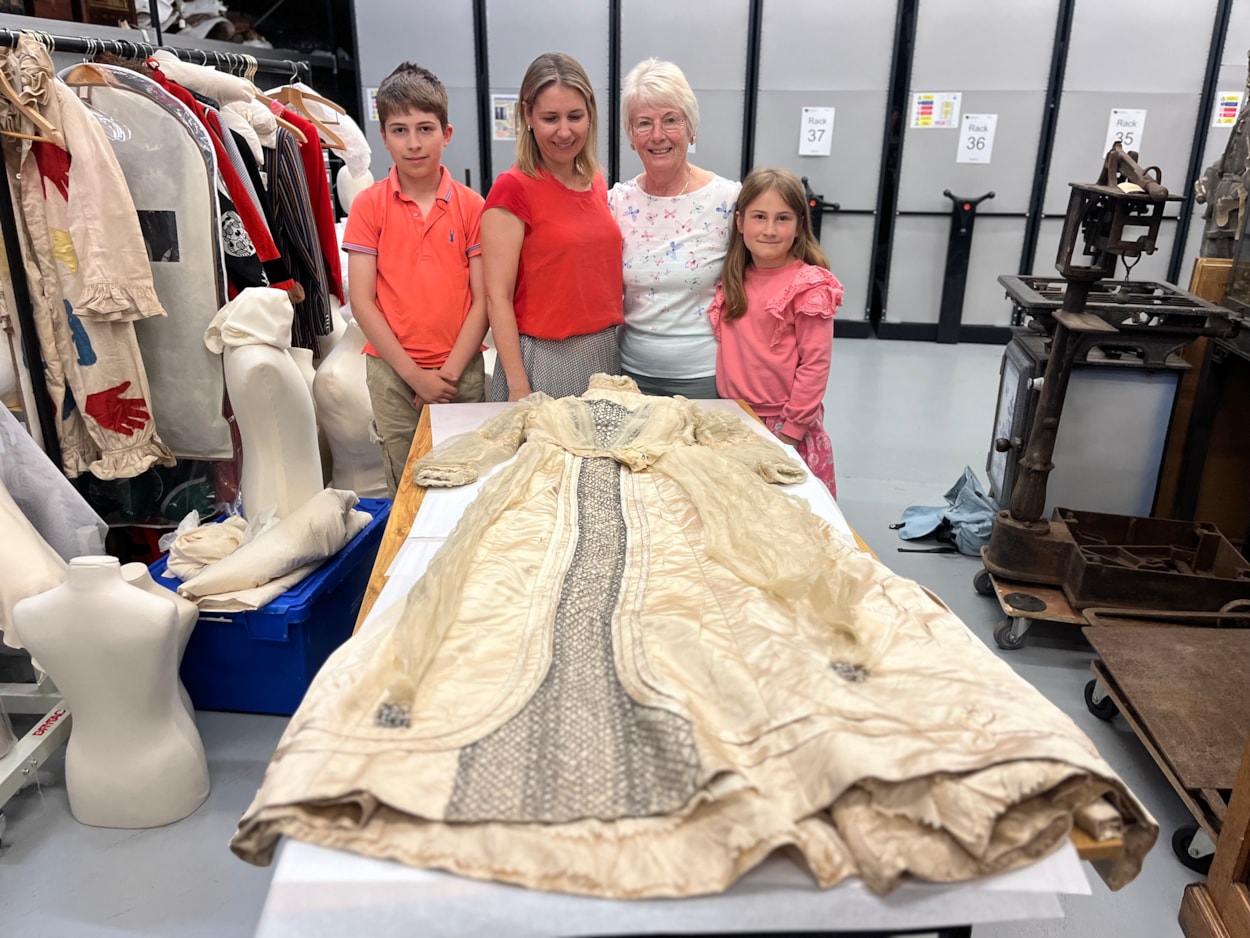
403, 513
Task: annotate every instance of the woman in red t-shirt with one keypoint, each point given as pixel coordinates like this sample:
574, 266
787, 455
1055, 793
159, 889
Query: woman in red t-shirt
551, 251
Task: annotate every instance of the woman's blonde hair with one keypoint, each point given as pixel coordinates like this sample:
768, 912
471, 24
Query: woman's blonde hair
652, 83
805, 248
555, 68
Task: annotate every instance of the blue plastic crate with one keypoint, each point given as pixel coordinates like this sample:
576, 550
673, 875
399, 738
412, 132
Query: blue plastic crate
262, 661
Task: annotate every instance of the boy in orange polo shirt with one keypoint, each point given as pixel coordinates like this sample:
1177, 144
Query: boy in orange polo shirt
414, 267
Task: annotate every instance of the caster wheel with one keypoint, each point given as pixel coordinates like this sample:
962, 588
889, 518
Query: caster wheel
1104, 709
983, 584
1181, 840
1004, 638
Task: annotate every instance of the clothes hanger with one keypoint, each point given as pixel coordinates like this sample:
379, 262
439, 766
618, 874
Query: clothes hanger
296, 99
49, 132
280, 120
88, 73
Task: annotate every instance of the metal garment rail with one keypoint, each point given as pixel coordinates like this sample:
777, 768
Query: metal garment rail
230, 61
234, 62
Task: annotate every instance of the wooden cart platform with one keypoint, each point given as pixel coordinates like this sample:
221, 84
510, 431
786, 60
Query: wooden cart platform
1185, 691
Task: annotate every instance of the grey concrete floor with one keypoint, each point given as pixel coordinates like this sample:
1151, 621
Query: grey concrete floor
905, 419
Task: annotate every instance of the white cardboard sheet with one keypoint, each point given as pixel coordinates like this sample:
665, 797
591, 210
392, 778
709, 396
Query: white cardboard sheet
318, 891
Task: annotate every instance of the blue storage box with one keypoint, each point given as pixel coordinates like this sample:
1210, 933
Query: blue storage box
262, 661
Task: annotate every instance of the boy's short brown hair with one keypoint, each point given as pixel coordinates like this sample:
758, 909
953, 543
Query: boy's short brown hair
411, 88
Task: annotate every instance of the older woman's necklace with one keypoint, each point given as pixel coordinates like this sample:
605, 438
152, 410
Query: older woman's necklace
677, 195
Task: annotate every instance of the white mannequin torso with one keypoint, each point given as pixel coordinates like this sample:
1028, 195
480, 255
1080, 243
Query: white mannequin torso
137, 574
344, 412
274, 409
134, 757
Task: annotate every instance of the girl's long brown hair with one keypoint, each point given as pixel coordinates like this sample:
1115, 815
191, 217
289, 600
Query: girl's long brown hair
805, 248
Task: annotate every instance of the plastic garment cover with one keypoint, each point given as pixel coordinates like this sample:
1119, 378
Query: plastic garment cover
47, 499
169, 164
637, 668
968, 510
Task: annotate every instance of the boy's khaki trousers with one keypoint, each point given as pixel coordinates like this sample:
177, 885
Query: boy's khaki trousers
395, 416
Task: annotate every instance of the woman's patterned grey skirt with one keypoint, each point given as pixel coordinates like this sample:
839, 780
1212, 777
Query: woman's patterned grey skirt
562, 367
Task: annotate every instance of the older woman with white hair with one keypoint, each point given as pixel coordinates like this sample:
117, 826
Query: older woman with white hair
675, 222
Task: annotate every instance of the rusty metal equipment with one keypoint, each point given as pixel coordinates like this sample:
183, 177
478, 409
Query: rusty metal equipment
1038, 568
1117, 217
1150, 563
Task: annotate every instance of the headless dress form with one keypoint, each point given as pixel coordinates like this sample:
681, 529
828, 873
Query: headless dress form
344, 412
136, 574
308, 371
134, 757
274, 410
271, 401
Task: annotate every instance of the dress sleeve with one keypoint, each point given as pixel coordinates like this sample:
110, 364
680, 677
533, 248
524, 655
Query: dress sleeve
509, 192
462, 459
819, 295
362, 231
816, 299
738, 443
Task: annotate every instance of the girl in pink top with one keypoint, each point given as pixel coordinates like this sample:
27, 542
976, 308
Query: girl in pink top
773, 317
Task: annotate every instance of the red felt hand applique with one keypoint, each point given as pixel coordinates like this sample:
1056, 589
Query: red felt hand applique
120, 414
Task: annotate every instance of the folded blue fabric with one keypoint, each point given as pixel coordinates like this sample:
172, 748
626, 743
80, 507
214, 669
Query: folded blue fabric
968, 512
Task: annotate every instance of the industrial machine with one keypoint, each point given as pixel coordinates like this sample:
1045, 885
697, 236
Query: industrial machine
1040, 568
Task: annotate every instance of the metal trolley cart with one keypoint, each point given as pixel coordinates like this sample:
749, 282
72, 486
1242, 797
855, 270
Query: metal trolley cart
1185, 691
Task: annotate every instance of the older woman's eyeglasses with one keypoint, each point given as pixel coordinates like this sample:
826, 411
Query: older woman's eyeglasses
669, 124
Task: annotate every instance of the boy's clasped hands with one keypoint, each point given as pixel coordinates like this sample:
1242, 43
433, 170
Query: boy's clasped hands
432, 386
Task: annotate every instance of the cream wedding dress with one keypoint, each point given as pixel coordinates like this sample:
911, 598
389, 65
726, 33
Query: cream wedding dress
636, 668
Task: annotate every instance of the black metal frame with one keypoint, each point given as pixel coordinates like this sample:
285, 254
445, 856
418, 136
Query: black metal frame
614, 91
928, 332
958, 254
1201, 130
946, 931
891, 159
481, 68
751, 93
1046, 140
129, 48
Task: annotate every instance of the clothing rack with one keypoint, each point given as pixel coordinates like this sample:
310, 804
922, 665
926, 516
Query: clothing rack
233, 62
237, 63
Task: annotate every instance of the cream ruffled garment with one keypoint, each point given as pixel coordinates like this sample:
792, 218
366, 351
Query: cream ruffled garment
636, 669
